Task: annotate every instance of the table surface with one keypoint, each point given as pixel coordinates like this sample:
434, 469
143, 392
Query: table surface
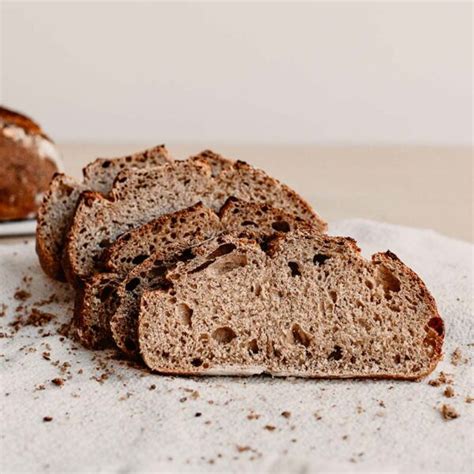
426, 187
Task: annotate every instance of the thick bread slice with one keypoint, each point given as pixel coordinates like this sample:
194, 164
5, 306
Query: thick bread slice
98, 298
59, 203
165, 240
245, 219
308, 306
139, 197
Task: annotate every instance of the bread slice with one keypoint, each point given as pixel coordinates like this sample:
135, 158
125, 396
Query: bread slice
307, 305
138, 197
145, 252
56, 212
163, 238
245, 219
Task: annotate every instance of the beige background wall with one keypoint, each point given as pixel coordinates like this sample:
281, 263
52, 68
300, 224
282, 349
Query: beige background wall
317, 72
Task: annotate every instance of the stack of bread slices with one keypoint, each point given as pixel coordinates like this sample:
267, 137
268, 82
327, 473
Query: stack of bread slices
210, 266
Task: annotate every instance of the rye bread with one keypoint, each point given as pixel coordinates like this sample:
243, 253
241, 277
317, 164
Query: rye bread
306, 305
242, 218
144, 253
140, 196
60, 201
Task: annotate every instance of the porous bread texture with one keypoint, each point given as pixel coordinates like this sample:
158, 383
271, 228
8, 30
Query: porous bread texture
60, 201
245, 219
163, 239
138, 197
308, 306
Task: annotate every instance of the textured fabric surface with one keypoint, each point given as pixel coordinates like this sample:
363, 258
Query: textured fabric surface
111, 416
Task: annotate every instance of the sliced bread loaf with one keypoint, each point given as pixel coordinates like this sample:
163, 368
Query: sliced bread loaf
244, 219
307, 305
59, 203
163, 238
138, 197
166, 240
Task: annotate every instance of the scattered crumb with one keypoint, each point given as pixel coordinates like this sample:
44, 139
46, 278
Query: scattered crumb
360, 409
318, 416
285, 414
269, 427
21, 295
448, 412
152, 387
242, 449
345, 437
47, 419
442, 379
253, 416
3, 309
381, 404
469, 399
448, 392
38, 318
125, 397
57, 381
457, 357
198, 414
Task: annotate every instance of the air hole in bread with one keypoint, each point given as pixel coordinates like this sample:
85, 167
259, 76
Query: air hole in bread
281, 226
437, 324
224, 335
106, 292
132, 284
320, 259
196, 362
130, 344
106, 164
104, 243
232, 262
202, 267
186, 255
257, 289
369, 285
140, 258
156, 272
222, 250
333, 295
336, 354
386, 279
253, 346
249, 224
295, 269
300, 336
184, 312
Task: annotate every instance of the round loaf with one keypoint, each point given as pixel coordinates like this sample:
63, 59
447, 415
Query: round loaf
28, 160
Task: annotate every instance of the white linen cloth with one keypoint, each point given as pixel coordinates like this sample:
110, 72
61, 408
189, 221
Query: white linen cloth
217, 424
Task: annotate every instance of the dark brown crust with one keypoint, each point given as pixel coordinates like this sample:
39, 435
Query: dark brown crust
24, 173
437, 337
26, 123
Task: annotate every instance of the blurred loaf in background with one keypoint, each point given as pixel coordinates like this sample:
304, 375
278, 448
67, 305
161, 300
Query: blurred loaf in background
28, 160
